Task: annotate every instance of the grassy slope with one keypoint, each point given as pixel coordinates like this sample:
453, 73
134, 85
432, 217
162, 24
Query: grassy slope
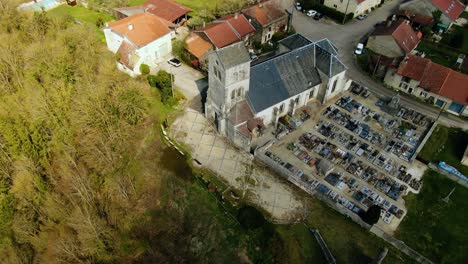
300, 245
135, 2
447, 145
349, 242
436, 229
83, 15
195, 5
80, 13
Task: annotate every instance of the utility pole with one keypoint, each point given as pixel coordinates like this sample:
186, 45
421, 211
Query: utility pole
345, 13
172, 81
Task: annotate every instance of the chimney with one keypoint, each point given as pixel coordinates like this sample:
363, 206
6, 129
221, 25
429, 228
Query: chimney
130, 26
260, 5
204, 24
236, 15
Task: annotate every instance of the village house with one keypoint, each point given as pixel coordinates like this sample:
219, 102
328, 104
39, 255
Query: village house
268, 19
198, 48
357, 7
139, 39
390, 42
244, 98
450, 9
166, 9
432, 82
227, 30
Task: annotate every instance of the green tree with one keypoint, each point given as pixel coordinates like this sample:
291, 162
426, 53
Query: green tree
163, 81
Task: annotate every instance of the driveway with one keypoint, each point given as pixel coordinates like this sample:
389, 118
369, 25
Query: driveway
346, 37
192, 83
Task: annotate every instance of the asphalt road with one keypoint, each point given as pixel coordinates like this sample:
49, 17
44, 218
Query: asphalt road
346, 37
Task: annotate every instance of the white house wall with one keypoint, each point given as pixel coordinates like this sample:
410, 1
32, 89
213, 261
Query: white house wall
113, 40
154, 52
352, 7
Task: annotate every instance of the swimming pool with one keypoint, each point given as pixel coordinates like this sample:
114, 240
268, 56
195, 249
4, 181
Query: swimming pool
39, 5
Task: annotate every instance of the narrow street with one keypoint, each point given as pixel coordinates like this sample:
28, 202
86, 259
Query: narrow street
346, 37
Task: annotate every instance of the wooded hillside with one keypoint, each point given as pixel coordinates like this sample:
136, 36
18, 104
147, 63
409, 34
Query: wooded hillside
75, 173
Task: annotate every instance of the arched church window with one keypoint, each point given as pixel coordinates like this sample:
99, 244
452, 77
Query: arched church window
233, 94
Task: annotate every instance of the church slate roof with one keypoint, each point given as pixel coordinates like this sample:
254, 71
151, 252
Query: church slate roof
234, 54
328, 46
295, 41
282, 77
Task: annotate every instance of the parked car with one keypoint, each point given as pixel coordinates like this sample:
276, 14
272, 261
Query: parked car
361, 17
298, 6
311, 13
359, 49
318, 16
174, 62
253, 57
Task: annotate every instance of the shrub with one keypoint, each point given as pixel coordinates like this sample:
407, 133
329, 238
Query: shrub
144, 69
372, 215
162, 81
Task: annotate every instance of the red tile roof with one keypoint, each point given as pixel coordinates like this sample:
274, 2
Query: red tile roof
221, 34
127, 54
436, 78
240, 24
450, 8
265, 13
166, 9
413, 67
417, 18
197, 46
141, 29
228, 30
406, 38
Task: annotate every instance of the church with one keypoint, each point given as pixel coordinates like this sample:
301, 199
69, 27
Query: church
245, 96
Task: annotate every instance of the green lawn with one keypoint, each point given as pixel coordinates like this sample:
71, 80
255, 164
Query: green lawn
300, 245
464, 14
80, 13
198, 5
195, 5
446, 144
349, 242
438, 54
83, 15
135, 2
457, 38
436, 229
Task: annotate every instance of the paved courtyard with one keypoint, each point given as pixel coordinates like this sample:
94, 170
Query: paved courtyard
236, 168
